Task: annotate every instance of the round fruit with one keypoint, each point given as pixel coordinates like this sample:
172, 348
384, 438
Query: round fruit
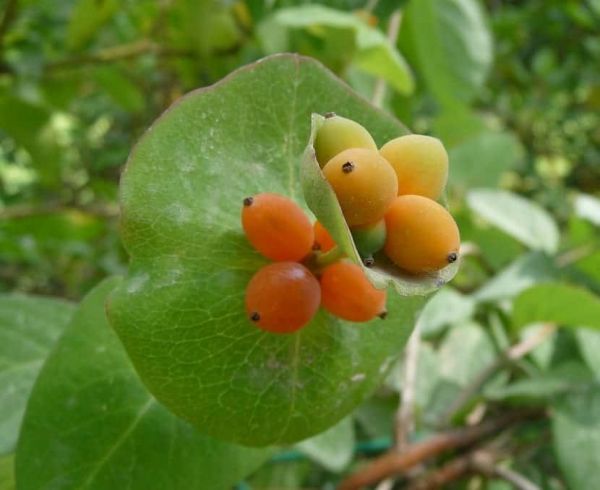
364, 183
347, 293
421, 235
277, 227
369, 239
338, 134
420, 163
323, 240
282, 297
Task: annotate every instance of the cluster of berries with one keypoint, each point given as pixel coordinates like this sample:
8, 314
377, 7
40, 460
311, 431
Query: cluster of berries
283, 296
388, 198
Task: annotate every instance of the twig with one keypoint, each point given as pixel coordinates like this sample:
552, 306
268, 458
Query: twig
9, 15
510, 355
484, 463
479, 462
26, 210
118, 53
571, 256
405, 423
393, 463
392, 34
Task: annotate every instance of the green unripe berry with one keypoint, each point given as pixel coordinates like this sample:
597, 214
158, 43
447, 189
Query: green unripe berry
369, 239
338, 134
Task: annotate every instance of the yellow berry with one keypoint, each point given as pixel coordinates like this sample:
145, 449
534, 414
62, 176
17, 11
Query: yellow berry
420, 163
338, 134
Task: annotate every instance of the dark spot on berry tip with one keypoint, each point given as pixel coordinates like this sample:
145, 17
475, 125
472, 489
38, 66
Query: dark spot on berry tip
329, 115
347, 167
452, 257
369, 262
248, 201
316, 246
383, 315
255, 316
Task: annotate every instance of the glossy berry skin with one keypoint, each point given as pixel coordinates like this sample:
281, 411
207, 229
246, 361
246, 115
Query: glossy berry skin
347, 293
323, 240
420, 163
364, 183
338, 134
369, 239
422, 236
277, 227
282, 297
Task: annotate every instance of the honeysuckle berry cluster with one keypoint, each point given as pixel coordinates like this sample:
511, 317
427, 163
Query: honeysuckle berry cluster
388, 199
284, 296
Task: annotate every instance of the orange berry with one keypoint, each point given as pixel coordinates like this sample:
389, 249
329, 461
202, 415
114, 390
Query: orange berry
323, 240
420, 163
422, 236
282, 297
364, 183
347, 293
277, 227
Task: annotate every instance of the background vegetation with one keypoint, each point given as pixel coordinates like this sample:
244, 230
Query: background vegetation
513, 90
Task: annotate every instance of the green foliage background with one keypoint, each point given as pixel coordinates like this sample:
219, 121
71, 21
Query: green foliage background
511, 87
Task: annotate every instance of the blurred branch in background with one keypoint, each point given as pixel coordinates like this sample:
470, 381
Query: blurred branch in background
395, 464
392, 34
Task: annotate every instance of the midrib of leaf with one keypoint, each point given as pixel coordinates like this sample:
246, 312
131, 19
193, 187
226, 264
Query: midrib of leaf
117, 443
294, 380
289, 144
21, 365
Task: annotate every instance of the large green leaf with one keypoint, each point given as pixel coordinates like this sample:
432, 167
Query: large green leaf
322, 201
180, 312
369, 50
519, 217
557, 303
91, 424
453, 46
576, 433
29, 328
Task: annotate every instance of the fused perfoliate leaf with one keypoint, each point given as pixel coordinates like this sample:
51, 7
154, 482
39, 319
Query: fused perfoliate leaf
180, 311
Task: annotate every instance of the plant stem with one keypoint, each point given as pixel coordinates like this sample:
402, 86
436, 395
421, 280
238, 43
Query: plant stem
324, 259
393, 29
394, 463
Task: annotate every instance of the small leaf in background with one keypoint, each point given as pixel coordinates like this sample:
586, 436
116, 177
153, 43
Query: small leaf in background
453, 46
373, 52
181, 197
332, 449
523, 273
559, 381
7, 472
446, 307
521, 218
481, 160
589, 346
91, 424
120, 88
87, 17
576, 435
476, 349
29, 328
558, 303
588, 207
